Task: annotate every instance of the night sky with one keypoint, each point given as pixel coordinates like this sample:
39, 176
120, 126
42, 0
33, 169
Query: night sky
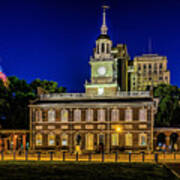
53, 39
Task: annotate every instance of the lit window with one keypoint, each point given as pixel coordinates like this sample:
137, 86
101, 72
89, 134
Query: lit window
64, 141
128, 139
51, 115
77, 115
128, 114
89, 141
51, 139
115, 139
38, 115
101, 115
142, 114
64, 115
38, 139
89, 115
142, 139
115, 115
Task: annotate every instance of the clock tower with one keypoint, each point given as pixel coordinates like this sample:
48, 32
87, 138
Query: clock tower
103, 65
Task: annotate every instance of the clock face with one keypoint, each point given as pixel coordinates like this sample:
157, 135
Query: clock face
101, 70
100, 91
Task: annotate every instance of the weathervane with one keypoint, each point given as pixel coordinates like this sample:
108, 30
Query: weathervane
104, 28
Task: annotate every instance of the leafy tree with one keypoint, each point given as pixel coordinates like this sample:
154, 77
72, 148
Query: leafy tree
14, 100
168, 110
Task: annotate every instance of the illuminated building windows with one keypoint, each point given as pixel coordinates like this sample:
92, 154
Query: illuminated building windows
51, 115
38, 139
143, 115
64, 140
77, 115
128, 139
64, 115
115, 115
38, 116
51, 140
89, 115
142, 139
115, 139
89, 141
101, 115
128, 114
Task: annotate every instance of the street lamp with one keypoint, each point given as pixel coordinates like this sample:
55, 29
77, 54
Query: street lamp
118, 129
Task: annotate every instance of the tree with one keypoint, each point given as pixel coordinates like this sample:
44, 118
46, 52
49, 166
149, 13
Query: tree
168, 110
14, 100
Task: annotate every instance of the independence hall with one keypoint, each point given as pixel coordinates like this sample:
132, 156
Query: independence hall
107, 117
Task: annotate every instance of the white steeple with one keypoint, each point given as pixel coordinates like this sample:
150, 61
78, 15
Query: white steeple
104, 27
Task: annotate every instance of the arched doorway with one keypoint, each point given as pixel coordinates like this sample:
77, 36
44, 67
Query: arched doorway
173, 141
161, 142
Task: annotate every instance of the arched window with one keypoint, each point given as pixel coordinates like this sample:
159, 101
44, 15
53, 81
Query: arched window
64, 115
128, 114
128, 139
51, 115
115, 139
51, 139
101, 115
142, 139
102, 48
77, 115
108, 49
89, 141
64, 140
89, 115
142, 114
38, 139
115, 115
97, 48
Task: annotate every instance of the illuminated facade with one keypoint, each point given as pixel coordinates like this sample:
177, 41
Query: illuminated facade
104, 118
148, 70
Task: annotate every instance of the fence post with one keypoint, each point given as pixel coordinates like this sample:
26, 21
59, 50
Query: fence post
14, 155
51, 156
2, 155
26, 155
156, 157
39, 156
129, 156
63, 156
77, 156
143, 156
116, 157
102, 157
89, 157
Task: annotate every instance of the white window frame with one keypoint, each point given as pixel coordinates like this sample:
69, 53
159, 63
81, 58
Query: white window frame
89, 115
64, 115
51, 115
101, 115
115, 115
77, 115
128, 114
143, 114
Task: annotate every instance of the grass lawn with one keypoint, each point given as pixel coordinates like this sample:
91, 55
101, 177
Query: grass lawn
85, 171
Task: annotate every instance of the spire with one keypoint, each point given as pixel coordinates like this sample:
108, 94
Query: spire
104, 27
